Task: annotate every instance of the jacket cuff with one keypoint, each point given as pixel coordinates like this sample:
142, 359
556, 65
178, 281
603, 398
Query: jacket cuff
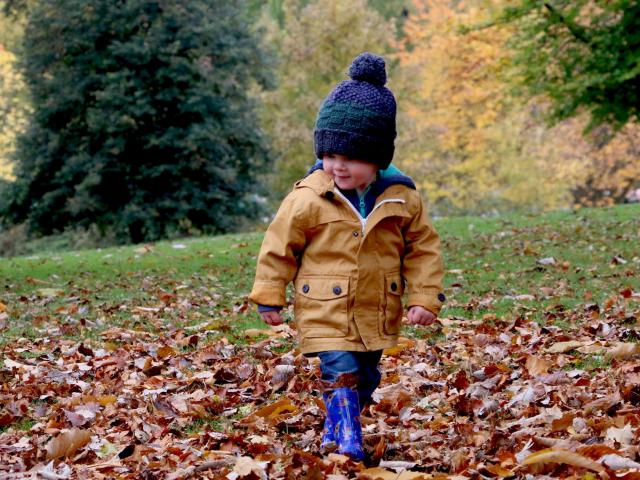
267, 292
430, 301
268, 308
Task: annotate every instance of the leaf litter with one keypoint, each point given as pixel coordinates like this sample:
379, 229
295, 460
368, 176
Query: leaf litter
548, 389
501, 400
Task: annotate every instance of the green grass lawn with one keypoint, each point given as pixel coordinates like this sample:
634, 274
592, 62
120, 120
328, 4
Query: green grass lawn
493, 271
153, 352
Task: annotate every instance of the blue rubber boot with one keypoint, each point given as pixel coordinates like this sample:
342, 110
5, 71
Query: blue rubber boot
328, 443
343, 410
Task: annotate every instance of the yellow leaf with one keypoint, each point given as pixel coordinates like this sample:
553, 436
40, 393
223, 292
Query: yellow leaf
3, 307
394, 351
67, 443
49, 292
275, 409
567, 457
105, 400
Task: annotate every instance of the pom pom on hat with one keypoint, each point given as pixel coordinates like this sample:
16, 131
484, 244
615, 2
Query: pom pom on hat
370, 68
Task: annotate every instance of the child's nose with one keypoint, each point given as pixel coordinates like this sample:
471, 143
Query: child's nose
340, 164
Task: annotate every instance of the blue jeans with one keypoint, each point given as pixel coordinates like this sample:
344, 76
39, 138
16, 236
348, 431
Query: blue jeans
364, 365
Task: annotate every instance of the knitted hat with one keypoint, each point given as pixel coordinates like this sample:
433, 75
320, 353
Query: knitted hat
358, 118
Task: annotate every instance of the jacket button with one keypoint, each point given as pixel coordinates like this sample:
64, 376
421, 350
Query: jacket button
355, 234
337, 290
305, 289
394, 286
441, 297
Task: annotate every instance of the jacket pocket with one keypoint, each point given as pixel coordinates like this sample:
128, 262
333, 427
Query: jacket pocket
393, 290
321, 306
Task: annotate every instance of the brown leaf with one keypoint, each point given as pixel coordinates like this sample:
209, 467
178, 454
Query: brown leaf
6, 419
67, 443
563, 347
623, 350
165, 352
567, 457
594, 452
461, 381
626, 293
536, 365
499, 471
561, 424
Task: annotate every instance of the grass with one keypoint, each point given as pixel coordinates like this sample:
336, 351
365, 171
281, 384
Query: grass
494, 270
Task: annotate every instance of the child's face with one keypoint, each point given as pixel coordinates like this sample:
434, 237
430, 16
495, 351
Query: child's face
349, 173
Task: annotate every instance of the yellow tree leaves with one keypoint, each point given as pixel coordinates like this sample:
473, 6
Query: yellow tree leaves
475, 147
315, 46
466, 142
12, 111
14, 108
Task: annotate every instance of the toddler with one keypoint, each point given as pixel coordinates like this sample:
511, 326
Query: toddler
353, 235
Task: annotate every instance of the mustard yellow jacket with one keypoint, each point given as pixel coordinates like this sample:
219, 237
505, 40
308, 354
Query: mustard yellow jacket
349, 272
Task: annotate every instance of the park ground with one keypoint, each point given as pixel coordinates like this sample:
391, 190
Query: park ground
148, 362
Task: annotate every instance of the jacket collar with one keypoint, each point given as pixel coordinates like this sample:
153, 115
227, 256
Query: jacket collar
386, 178
318, 181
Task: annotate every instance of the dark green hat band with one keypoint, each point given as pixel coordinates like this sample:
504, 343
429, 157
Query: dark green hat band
371, 149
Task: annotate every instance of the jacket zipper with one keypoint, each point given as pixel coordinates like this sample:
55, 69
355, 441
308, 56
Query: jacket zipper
363, 220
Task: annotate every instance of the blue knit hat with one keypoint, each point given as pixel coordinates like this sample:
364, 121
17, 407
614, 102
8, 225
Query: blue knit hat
358, 118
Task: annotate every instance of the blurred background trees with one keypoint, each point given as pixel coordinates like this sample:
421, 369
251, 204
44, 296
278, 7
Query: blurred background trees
316, 42
149, 119
14, 105
142, 125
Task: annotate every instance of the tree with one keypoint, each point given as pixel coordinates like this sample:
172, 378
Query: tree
583, 54
466, 142
143, 124
14, 106
316, 45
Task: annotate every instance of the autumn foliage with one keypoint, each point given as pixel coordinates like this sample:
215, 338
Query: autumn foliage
119, 364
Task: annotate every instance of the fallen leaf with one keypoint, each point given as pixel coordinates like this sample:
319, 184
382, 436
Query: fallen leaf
67, 443
377, 473
546, 261
563, 347
275, 409
624, 435
618, 462
246, 466
49, 292
536, 365
623, 350
567, 457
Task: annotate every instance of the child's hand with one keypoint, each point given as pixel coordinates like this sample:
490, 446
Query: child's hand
272, 318
420, 316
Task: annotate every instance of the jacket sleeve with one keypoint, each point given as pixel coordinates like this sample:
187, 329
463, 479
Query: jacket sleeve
422, 264
278, 257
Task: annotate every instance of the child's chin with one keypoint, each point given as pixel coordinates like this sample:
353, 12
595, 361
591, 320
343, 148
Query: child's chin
344, 185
